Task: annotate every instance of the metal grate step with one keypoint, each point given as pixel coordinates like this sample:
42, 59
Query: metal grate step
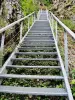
21, 66
33, 91
36, 53
35, 59
31, 76
37, 48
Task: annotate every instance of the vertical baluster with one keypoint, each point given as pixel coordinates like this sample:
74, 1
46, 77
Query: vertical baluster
38, 15
21, 26
52, 24
56, 33
51, 19
28, 23
41, 10
66, 52
2, 49
32, 18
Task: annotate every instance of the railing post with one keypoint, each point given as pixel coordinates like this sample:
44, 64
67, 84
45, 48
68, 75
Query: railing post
56, 32
21, 26
28, 23
41, 10
2, 49
66, 52
52, 24
51, 19
47, 13
38, 14
32, 19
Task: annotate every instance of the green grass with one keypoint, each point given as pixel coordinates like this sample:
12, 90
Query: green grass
69, 23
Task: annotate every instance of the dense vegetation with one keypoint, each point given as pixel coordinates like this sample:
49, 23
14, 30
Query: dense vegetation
28, 6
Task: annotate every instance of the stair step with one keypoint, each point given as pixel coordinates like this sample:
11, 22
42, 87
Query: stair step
39, 41
36, 48
31, 76
17, 66
35, 59
33, 91
36, 53
40, 31
39, 38
39, 45
39, 35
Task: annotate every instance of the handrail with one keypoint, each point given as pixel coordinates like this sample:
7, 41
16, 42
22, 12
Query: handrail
14, 23
20, 22
54, 29
54, 26
64, 26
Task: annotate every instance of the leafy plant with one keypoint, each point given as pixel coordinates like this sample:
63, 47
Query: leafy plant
73, 82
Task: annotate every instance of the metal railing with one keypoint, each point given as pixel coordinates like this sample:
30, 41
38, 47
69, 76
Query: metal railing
54, 22
31, 17
54, 30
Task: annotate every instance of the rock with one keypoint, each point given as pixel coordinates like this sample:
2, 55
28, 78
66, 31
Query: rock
10, 10
64, 8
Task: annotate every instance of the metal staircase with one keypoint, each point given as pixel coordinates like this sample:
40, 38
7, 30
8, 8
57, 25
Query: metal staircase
39, 48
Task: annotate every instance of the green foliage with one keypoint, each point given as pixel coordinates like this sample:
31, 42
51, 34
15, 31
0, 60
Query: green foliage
73, 82
46, 2
2, 22
69, 23
1, 57
28, 6
73, 73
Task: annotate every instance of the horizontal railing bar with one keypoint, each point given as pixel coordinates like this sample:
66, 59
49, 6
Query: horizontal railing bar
64, 26
14, 23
